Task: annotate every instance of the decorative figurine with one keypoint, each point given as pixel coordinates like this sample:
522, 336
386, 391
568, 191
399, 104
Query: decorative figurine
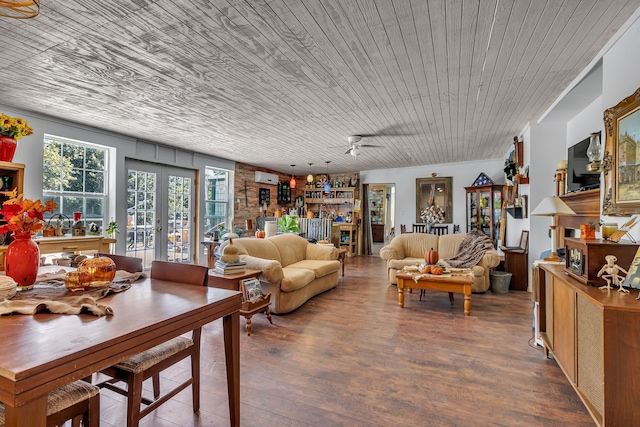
612, 269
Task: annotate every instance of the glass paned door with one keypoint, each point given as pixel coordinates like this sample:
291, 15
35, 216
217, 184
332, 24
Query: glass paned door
160, 218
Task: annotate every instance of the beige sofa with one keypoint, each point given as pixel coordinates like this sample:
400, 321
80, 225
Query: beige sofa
409, 249
293, 270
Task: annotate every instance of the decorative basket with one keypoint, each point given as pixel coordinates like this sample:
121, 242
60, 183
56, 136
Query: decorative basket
7, 288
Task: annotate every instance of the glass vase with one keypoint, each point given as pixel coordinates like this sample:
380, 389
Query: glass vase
22, 260
7, 148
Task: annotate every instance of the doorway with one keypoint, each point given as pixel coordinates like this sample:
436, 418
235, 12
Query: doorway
160, 212
381, 214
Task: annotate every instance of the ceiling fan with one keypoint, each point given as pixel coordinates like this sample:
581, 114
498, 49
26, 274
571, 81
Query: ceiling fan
356, 145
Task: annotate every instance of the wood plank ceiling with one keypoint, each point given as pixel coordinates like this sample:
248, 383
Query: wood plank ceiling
280, 82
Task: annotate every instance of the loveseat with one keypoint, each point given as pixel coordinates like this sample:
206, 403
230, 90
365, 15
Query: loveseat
409, 249
293, 269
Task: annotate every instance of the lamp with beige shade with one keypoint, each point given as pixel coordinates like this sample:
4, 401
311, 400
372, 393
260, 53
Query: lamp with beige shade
552, 206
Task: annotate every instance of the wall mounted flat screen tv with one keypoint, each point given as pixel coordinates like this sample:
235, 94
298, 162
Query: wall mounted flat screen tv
578, 178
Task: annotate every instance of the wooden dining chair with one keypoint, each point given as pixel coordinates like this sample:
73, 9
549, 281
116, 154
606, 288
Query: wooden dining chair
127, 263
77, 401
150, 363
403, 229
439, 229
419, 228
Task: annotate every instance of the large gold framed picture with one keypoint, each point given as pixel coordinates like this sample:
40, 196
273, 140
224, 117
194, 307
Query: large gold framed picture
431, 191
621, 170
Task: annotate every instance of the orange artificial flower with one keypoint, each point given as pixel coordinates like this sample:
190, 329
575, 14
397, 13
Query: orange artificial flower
24, 215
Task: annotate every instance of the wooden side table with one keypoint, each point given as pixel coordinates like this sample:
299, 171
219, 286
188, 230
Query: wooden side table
232, 282
250, 308
342, 253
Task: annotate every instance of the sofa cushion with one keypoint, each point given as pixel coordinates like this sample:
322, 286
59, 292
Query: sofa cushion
320, 268
448, 245
259, 248
296, 278
291, 247
416, 244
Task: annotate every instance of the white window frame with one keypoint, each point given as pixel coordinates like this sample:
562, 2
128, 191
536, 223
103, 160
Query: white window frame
47, 194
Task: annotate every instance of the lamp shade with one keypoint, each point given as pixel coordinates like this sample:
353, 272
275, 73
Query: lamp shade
552, 206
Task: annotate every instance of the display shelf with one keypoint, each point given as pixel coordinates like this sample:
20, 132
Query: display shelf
345, 236
484, 205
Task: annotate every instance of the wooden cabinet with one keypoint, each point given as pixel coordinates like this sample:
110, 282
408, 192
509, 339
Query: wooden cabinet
585, 257
345, 236
377, 233
516, 263
484, 204
77, 244
11, 179
592, 334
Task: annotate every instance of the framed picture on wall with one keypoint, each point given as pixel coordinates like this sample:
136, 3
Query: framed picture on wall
430, 191
621, 177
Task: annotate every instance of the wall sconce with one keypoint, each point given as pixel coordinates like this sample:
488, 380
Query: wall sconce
594, 153
310, 176
292, 182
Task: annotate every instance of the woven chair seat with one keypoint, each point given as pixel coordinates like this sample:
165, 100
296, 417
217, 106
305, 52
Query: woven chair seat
64, 397
145, 360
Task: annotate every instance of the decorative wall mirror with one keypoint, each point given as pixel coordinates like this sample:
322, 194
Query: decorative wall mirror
432, 190
621, 174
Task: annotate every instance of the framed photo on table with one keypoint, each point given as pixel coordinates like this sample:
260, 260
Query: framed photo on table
621, 183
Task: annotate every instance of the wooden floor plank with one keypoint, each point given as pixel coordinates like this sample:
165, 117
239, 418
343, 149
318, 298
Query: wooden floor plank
352, 357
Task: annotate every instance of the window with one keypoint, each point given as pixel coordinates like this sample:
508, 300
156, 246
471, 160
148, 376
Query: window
75, 176
217, 198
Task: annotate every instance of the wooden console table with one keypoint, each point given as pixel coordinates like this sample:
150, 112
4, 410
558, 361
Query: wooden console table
593, 335
52, 245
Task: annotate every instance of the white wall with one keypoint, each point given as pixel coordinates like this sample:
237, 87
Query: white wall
463, 175
30, 152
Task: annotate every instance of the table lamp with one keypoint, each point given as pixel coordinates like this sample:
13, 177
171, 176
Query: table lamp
552, 206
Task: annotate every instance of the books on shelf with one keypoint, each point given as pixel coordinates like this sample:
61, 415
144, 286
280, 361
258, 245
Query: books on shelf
230, 267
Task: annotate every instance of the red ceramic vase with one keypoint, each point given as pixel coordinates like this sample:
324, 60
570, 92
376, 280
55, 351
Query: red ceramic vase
7, 148
22, 259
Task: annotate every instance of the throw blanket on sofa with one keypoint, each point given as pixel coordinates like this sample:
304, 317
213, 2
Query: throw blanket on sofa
471, 250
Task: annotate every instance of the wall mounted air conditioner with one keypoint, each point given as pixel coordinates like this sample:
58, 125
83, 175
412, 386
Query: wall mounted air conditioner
266, 178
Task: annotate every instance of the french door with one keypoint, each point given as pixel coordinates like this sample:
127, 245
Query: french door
160, 212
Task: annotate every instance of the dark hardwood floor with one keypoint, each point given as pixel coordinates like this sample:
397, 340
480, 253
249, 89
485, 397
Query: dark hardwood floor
352, 357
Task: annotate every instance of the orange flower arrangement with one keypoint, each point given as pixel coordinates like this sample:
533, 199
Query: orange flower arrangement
24, 215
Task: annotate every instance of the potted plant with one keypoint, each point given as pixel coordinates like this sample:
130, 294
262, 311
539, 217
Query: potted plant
289, 224
112, 229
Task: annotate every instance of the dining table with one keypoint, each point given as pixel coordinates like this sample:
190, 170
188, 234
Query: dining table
44, 351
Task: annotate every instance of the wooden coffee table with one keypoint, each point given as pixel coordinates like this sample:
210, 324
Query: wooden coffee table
459, 284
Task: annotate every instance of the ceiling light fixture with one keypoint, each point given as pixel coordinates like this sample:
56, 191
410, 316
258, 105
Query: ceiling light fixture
19, 9
292, 182
310, 176
355, 151
327, 186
